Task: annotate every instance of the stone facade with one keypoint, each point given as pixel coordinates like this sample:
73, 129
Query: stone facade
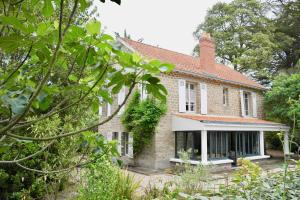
157, 154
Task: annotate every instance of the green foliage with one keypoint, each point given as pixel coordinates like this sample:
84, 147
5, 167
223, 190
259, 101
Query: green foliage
248, 174
54, 58
192, 178
282, 102
55, 65
104, 179
165, 193
62, 154
250, 183
273, 141
251, 39
141, 118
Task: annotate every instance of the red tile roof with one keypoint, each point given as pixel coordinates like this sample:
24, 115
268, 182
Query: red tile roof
186, 63
226, 119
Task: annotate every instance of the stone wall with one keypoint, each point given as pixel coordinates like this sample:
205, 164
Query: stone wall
157, 154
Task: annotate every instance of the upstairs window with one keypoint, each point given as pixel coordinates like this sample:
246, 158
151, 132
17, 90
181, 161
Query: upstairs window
247, 103
190, 97
225, 97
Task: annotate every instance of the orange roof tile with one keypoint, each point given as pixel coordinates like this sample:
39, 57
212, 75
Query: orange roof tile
186, 63
226, 119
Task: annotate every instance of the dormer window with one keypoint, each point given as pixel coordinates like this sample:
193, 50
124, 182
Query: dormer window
190, 97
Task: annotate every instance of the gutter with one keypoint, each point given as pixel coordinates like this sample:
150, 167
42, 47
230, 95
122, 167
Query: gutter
212, 77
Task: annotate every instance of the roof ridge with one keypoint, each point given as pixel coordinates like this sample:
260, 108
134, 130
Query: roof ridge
159, 47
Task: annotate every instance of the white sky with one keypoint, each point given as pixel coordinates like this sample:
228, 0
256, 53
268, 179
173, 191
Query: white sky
167, 23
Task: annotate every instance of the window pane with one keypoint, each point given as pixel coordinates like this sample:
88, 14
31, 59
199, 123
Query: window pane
180, 142
123, 150
124, 143
197, 145
217, 142
127, 143
246, 102
189, 143
115, 136
225, 96
190, 97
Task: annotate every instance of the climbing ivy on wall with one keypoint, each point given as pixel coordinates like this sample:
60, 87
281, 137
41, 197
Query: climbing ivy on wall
141, 118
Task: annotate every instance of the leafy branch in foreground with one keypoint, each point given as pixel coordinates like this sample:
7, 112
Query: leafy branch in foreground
56, 63
55, 48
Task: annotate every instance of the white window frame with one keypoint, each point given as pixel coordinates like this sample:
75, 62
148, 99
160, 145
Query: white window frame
181, 96
188, 100
203, 98
124, 144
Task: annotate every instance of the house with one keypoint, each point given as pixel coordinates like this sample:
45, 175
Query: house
214, 112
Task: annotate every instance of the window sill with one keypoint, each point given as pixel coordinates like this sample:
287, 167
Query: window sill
195, 162
256, 157
126, 156
218, 162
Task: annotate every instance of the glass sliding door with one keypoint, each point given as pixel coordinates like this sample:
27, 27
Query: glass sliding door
247, 143
220, 144
217, 144
189, 142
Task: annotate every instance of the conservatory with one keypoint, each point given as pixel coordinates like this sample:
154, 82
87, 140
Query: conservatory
219, 140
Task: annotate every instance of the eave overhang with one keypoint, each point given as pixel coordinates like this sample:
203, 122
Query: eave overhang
181, 123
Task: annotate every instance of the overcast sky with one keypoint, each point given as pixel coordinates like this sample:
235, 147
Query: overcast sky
166, 23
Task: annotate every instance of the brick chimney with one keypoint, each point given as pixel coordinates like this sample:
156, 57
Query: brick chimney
207, 51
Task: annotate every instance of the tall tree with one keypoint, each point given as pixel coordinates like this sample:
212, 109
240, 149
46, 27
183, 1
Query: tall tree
287, 34
251, 38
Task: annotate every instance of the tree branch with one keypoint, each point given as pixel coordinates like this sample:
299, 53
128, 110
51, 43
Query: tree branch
62, 109
43, 81
60, 19
2, 138
27, 157
84, 63
18, 67
78, 164
16, 3
70, 17
79, 131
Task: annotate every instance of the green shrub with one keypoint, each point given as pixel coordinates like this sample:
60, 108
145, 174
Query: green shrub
250, 183
104, 180
192, 178
167, 192
282, 103
273, 141
18, 183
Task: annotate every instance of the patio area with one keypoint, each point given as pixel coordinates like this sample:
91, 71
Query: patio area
158, 178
